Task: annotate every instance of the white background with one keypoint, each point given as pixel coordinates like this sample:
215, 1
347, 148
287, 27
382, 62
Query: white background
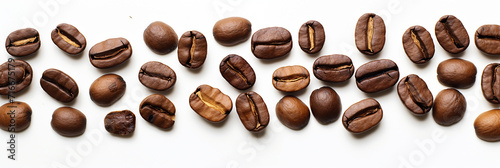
401, 139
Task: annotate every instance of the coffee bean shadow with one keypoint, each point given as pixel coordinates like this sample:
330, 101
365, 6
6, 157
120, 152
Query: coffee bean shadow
18, 95
195, 71
336, 84
216, 124
74, 56
28, 57
381, 93
71, 103
376, 56
315, 55
490, 56
420, 117
162, 92
422, 66
296, 94
495, 106
122, 136
455, 55
161, 129
260, 134
274, 60
366, 133
116, 68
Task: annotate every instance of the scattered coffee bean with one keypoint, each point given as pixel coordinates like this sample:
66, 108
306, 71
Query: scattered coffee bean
236, 70
23, 42
271, 42
15, 75
325, 105
120, 123
160, 38
192, 50
487, 126
377, 75
110, 53
292, 112
456, 73
68, 121
156, 75
311, 37
232, 30
490, 83
291, 78
451, 34
158, 110
362, 116
415, 94
333, 68
252, 111
370, 34
487, 39
107, 89
59, 85
418, 45
449, 107
15, 116
210, 103
68, 38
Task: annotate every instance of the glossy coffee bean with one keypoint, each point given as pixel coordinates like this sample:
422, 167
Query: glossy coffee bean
377, 75
311, 37
490, 83
271, 42
449, 107
456, 73
120, 123
292, 112
23, 42
237, 71
160, 38
68, 121
252, 111
15, 116
107, 89
68, 38
333, 68
451, 34
487, 126
110, 53
232, 30
59, 85
157, 76
486, 39
158, 110
370, 34
291, 78
415, 94
210, 103
362, 116
192, 50
418, 45
15, 75
325, 105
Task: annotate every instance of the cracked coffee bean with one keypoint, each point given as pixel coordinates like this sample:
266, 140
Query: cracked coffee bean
415, 94
418, 45
487, 39
15, 75
311, 37
23, 42
271, 42
449, 107
451, 34
210, 103
120, 123
110, 53
292, 112
490, 83
68, 121
325, 105
456, 73
333, 68
21, 116
59, 85
232, 30
158, 110
291, 78
160, 38
377, 75
156, 75
107, 89
236, 70
362, 116
370, 34
252, 111
487, 126
68, 38
192, 50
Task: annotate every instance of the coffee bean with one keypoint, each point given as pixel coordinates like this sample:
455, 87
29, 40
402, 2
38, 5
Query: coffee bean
59, 85
362, 116
291, 78
68, 121
158, 110
451, 34
418, 45
325, 105
210, 103
120, 122
456, 73
490, 83
311, 37
110, 53
370, 34
333, 68
107, 89
252, 111
236, 70
449, 107
292, 112
68, 38
192, 50
271, 42
156, 75
160, 38
23, 42
487, 39
415, 94
232, 30
487, 126
377, 75
15, 116
15, 75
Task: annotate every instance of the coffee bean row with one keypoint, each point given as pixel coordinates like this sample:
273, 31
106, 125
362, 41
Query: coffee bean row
268, 43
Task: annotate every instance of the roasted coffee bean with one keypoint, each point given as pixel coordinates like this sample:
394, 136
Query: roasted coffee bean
210, 103
15, 75
311, 37
377, 75
120, 123
107, 89
487, 125
160, 38
487, 39
156, 75
456, 73
23, 42
292, 112
490, 83
325, 105
68, 121
68, 38
418, 45
362, 116
291, 78
271, 42
449, 107
333, 68
158, 110
451, 34
59, 85
236, 70
415, 94
370, 34
252, 111
15, 116
192, 50
110, 53
232, 30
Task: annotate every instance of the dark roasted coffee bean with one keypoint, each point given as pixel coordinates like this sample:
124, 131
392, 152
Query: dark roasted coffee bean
311, 37
110, 53
451, 34
292, 112
158, 110
68, 121
192, 50
210, 103
59, 85
252, 111
15, 75
68, 38
15, 116
362, 116
333, 68
160, 38
271, 42
120, 123
232, 30
487, 126
325, 105
370, 34
23, 42
156, 75
107, 89
487, 39
237, 72
490, 83
291, 78
377, 75
456, 73
418, 45
415, 94
449, 107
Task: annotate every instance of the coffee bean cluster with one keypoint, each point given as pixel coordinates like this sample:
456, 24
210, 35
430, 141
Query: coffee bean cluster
448, 107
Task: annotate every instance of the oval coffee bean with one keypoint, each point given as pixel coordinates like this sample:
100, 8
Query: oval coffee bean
362, 116
156, 75
377, 75
271, 42
15, 75
415, 94
68, 38
291, 78
292, 112
23, 42
160, 37
490, 83
110, 53
232, 30
418, 45
192, 50
333, 68
456, 73
487, 39
370, 34
210, 103
158, 110
311, 37
449, 107
451, 34
252, 111
325, 105
120, 122
68, 121
59, 85
487, 126
236, 70
22, 117
107, 89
